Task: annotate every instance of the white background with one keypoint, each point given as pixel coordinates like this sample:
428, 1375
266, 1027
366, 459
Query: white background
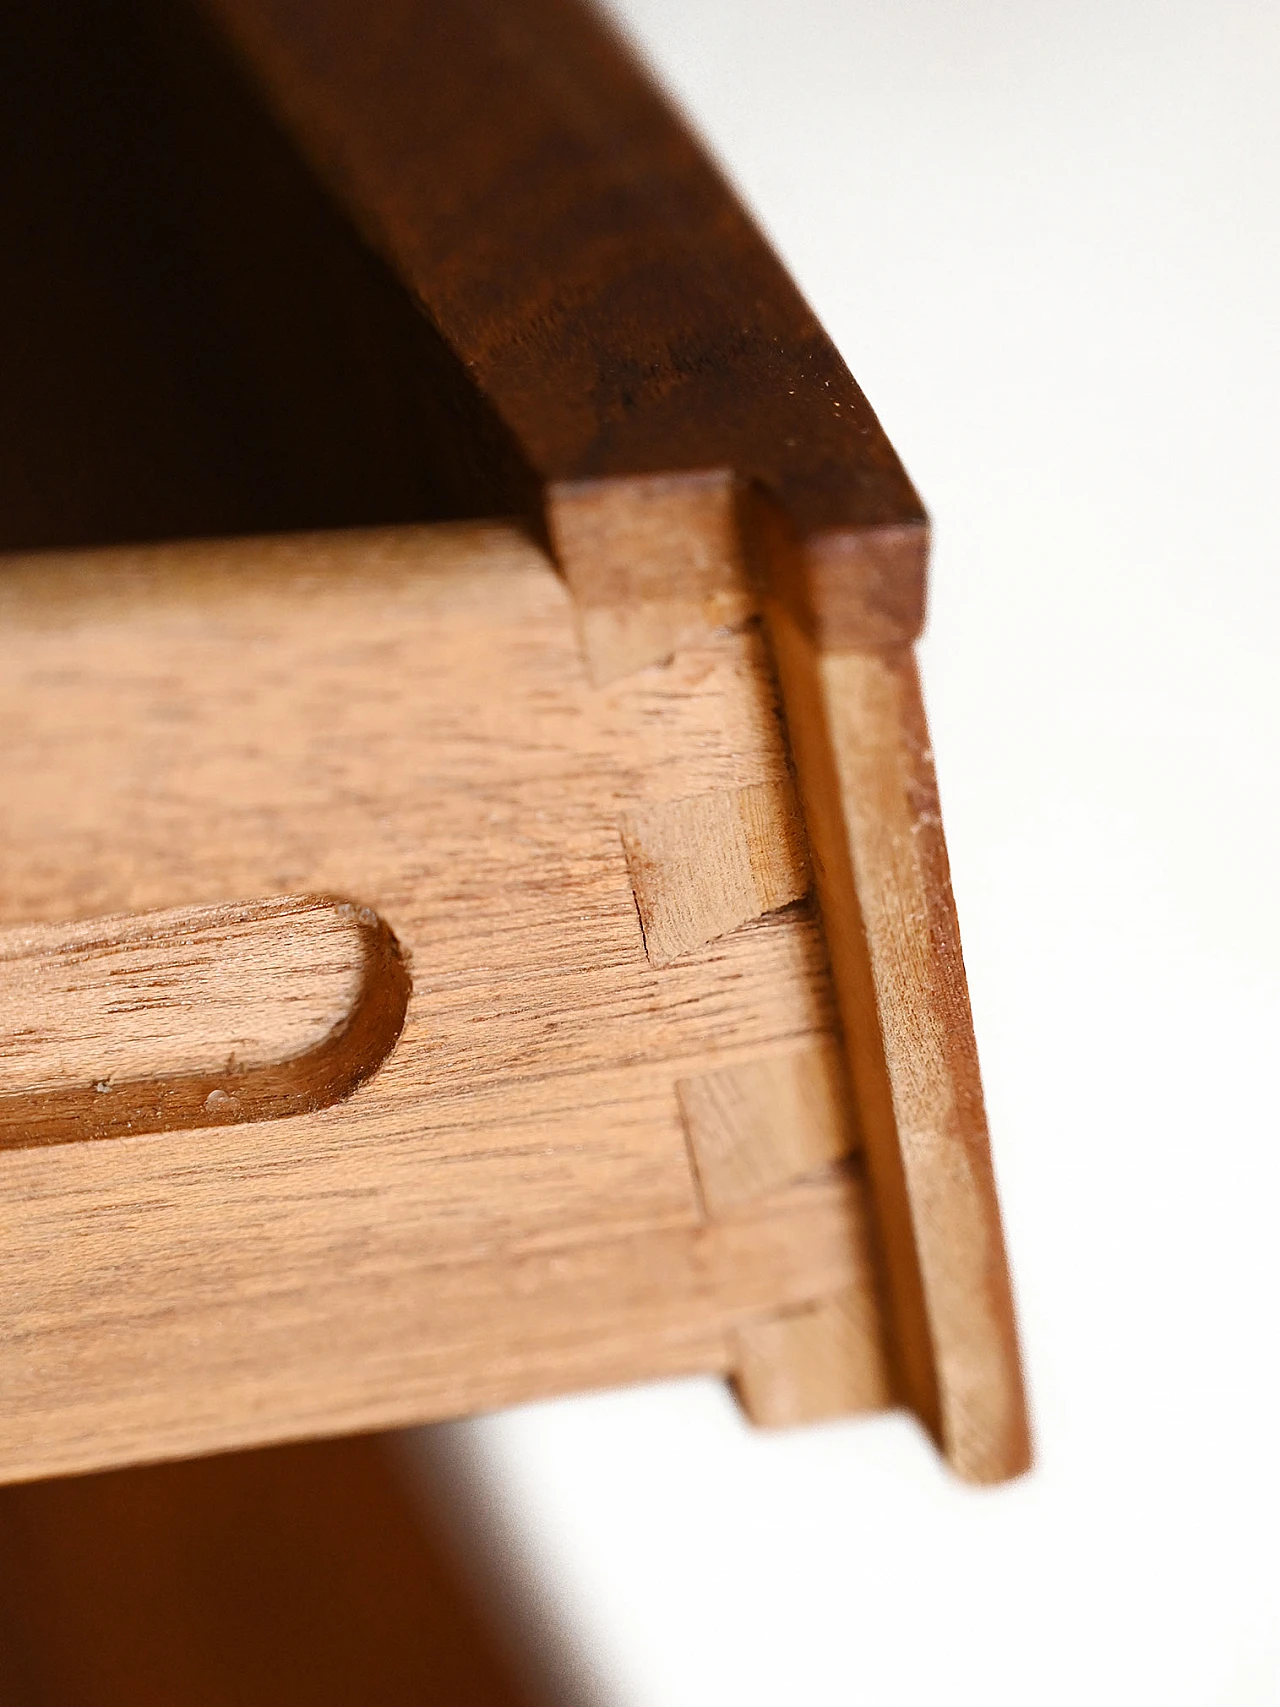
1045, 237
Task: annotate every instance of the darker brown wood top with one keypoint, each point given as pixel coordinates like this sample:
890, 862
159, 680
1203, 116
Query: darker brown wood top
602, 286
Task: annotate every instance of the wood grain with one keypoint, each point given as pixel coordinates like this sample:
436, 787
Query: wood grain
654, 564
667, 386
392, 262
822, 1360
702, 867
757, 1131
866, 777
765, 1124
196, 1016
326, 1332
608, 297
507, 1207
436, 260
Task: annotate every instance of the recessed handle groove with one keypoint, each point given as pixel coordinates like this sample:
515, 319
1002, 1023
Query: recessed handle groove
192, 1017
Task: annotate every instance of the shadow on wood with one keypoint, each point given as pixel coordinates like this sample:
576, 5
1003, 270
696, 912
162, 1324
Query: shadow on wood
297, 1574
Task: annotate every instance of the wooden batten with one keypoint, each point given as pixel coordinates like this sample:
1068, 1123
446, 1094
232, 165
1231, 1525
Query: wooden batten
866, 778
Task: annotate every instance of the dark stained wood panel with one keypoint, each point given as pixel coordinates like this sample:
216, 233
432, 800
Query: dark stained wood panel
605, 290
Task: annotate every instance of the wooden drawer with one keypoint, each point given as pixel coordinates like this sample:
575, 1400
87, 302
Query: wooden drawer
477, 923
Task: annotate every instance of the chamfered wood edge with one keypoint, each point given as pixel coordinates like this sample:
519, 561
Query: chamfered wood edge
352, 940
865, 771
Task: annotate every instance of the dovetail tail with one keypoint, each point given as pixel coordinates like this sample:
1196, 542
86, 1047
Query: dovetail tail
702, 867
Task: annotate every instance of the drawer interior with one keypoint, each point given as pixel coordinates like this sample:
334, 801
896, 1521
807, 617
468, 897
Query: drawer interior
194, 339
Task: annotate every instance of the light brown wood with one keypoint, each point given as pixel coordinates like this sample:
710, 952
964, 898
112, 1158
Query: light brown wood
765, 1124
818, 1361
195, 1016
386, 1325
593, 863
655, 564
756, 1131
702, 867
407, 1333
867, 782
507, 1207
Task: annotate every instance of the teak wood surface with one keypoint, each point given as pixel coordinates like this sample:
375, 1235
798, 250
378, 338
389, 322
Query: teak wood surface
508, 1205
698, 452
689, 1079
